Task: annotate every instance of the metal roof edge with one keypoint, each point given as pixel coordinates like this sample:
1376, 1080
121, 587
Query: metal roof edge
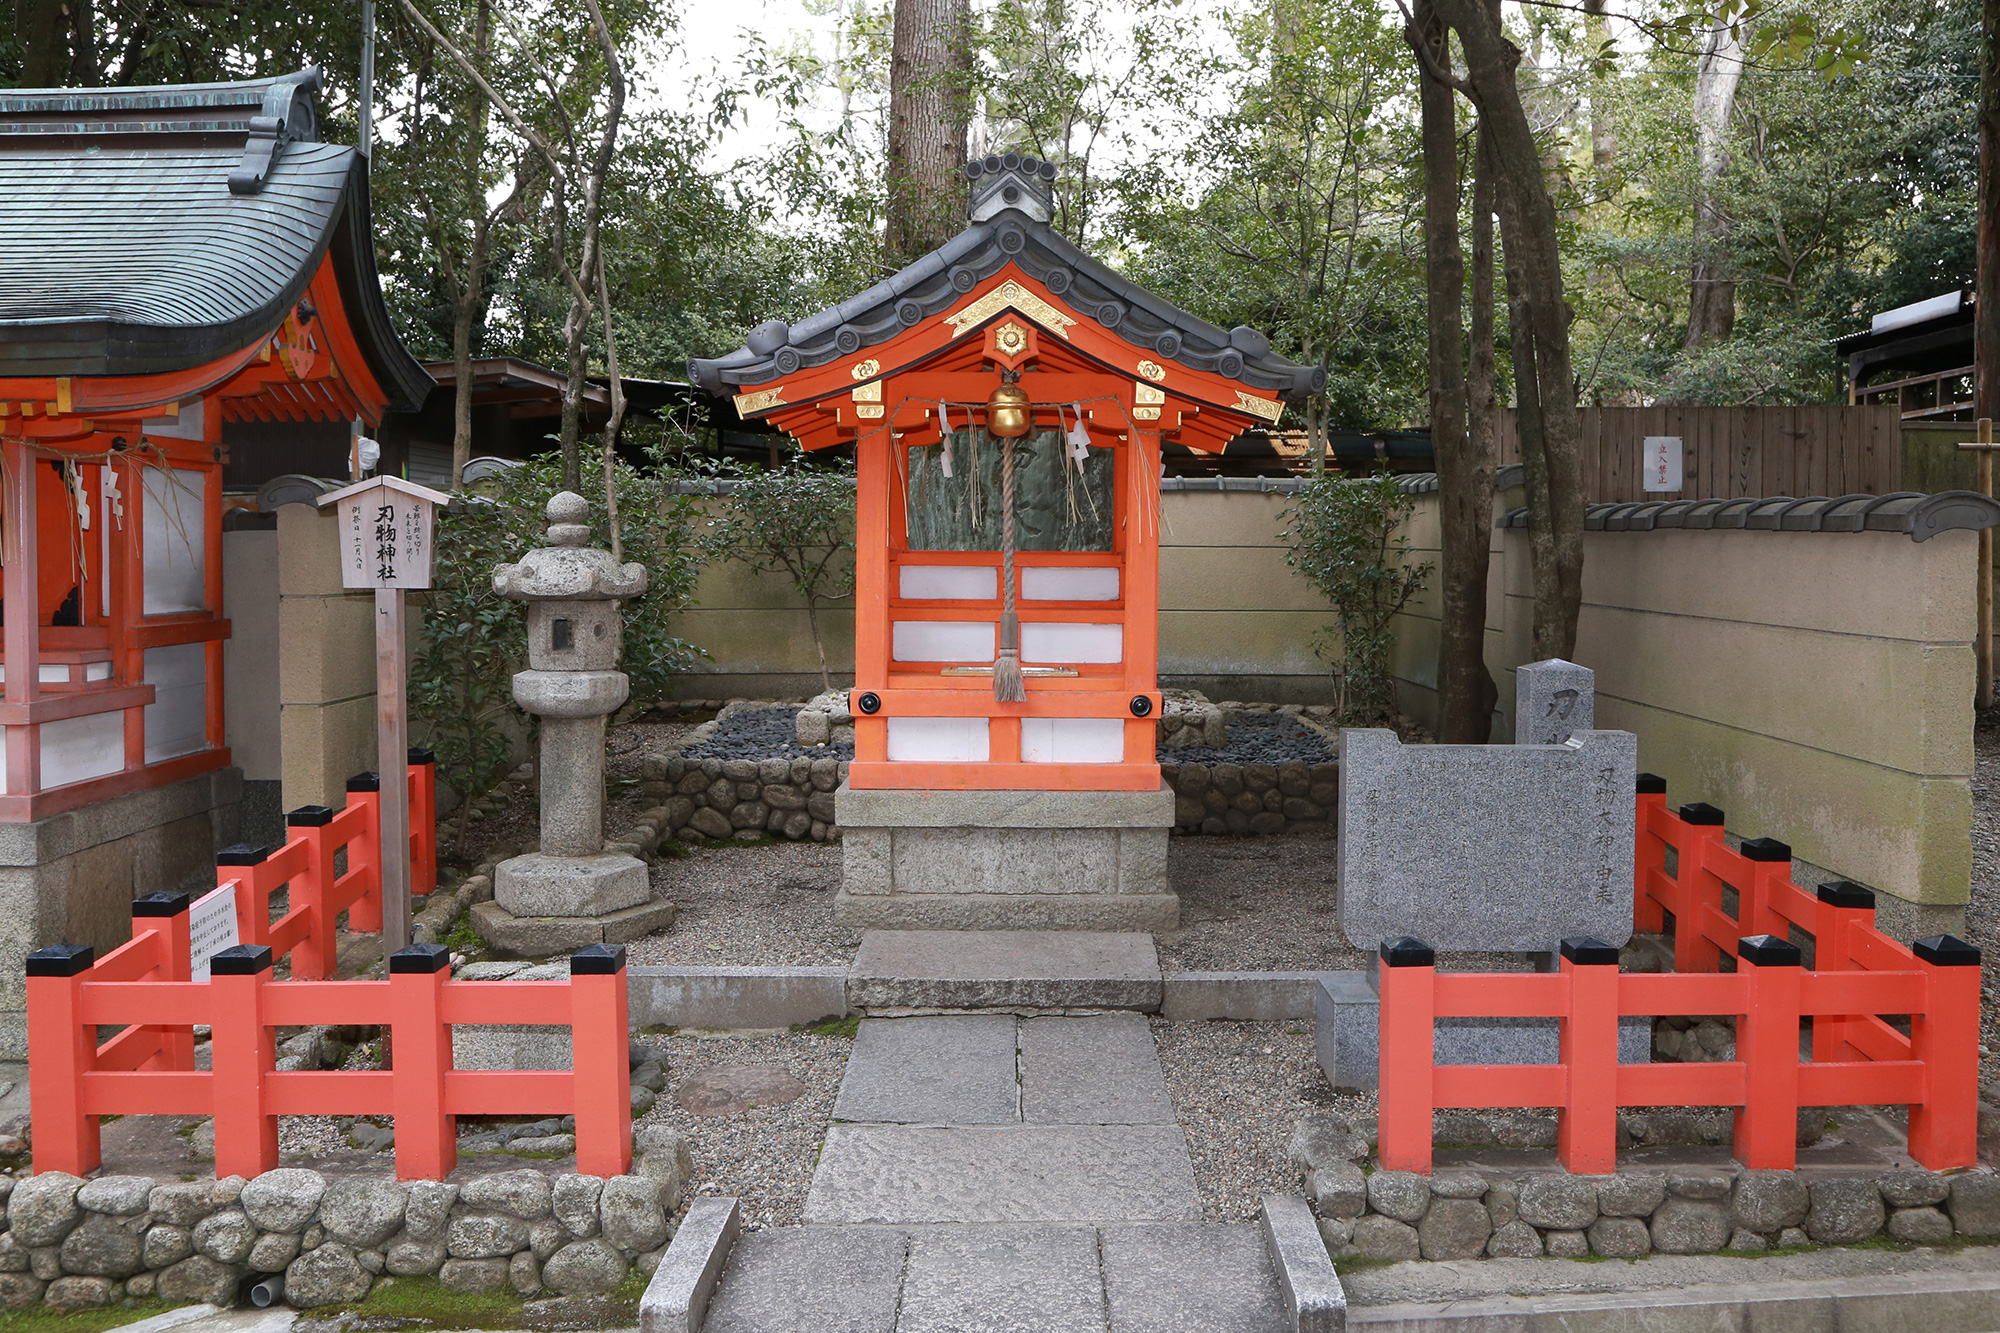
1918, 515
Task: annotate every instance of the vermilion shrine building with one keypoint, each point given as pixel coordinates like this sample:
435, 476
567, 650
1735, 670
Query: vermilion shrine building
174, 262
962, 810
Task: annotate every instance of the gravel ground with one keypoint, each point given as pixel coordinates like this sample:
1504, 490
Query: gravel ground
1270, 739
1238, 1090
756, 906
764, 1156
1255, 904
764, 734
1982, 914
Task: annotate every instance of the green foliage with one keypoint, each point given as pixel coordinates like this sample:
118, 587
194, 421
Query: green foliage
1345, 537
460, 688
796, 519
42, 1319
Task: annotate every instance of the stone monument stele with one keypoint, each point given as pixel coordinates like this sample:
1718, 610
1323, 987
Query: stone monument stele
571, 892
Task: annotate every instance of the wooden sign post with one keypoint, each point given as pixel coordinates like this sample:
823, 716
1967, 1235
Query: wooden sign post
1982, 650
386, 527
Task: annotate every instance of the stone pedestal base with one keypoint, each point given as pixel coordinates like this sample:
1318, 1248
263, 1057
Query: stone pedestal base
542, 885
1005, 860
546, 936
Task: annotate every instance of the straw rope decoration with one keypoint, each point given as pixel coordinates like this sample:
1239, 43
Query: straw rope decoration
1008, 688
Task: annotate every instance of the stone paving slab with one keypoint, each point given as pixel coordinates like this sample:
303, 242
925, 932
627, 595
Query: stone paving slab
810, 1280
1003, 1173
1190, 1278
974, 969
954, 1069
1100, 1070
1002, 1279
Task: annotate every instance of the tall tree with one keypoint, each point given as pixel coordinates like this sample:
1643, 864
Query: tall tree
1465, 478
1544, 384
1712, 289
930, 71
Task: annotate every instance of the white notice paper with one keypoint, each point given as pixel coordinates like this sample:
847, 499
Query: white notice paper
1663, 463
211, 928
385, 539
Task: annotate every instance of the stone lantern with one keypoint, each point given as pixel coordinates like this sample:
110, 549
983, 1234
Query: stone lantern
571, 892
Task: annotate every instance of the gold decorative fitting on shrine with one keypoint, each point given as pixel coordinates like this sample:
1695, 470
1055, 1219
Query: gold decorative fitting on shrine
1011, 338
868, 393
1009, 412
1260, 407
861, 370
1146, 414
869, 411
1146, 393
1152, 370
1010, 295
759, 401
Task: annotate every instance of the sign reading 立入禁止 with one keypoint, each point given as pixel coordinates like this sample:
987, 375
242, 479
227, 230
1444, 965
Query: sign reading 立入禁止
1662, 471
211, 928
385, 532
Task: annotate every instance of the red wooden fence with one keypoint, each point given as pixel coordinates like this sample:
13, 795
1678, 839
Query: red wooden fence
1859, 976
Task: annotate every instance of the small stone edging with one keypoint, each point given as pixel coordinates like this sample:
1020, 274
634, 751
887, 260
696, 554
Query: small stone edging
73, 1244
1469, 1214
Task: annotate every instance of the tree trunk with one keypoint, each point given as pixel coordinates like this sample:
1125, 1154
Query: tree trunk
1544, 382
1986, 313
42, 30
467, 306
1603, 129
930, 69
1711, 291
1465, 482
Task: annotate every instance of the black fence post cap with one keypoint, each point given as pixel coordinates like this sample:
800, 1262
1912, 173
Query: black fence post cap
597, 960
61, 960
1769, 951
365, 782
162, 903
1946, 951
1589, 951
1700, 812
1652, 784
1765, 849
420, 756
420, 958
310, 816
241, 960
1846, 893
1409, 951
243, 854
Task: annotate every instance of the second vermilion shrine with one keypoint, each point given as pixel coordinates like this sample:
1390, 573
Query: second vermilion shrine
907, 372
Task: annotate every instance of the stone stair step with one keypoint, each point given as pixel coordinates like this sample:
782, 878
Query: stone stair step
947, 1069
1005, 969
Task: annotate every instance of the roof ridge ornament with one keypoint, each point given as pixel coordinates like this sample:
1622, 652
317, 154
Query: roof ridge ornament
1009, 180
286, 115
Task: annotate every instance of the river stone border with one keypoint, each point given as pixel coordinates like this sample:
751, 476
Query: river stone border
74, 1244
1370, 1214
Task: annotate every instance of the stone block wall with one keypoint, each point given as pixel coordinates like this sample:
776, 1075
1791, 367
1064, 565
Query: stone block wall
1253, 798
1470, 1214
745, 798
73, 1244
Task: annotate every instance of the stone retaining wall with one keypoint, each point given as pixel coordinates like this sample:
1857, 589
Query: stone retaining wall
1469, 1214
1253, 798
745, 798
72, 1243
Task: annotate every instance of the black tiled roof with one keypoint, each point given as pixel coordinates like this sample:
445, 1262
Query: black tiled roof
1920, 515
1021, 234
150, 230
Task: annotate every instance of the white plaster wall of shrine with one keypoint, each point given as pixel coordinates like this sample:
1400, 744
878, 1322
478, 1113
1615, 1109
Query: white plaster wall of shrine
948, 740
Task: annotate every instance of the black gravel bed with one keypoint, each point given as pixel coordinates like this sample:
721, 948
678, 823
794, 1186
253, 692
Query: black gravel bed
767, 733
1273, 739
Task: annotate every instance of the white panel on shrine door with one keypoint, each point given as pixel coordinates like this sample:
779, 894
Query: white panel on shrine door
1072, 740
177, 719
77, 749
942, 640
1052, 641
1069, 583
938, 740
941, 583
176, 550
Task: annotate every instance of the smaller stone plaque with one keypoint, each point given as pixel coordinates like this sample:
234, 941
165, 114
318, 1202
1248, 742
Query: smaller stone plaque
1506, 848
211, 928
1552, 700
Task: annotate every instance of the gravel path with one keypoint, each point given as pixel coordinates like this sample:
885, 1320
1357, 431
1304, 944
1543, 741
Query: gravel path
749, 906
1255, 904
1238, 1090
763, 1156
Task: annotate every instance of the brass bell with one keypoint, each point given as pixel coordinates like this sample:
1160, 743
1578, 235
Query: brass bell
1009, 413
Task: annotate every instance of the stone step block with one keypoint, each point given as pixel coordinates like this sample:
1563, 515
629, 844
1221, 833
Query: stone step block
941, 969
953, 1069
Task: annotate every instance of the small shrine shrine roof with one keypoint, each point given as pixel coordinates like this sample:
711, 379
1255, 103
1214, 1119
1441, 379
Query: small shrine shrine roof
151, 230
1011, 224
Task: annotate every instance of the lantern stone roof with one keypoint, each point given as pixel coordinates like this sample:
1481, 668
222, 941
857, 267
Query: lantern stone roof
151, 230
1010, 212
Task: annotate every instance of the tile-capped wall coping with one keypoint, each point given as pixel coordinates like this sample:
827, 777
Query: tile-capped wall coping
1921, 516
